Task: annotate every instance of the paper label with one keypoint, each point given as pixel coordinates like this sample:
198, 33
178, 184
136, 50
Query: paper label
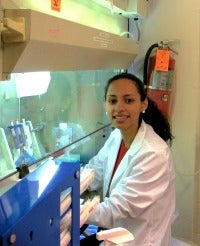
162, 60
56, 5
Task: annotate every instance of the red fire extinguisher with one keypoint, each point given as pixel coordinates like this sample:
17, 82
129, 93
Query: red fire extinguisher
159, 77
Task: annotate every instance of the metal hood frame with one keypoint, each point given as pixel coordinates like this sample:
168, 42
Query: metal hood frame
33, 41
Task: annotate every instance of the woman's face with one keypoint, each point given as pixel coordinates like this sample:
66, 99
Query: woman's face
123, 104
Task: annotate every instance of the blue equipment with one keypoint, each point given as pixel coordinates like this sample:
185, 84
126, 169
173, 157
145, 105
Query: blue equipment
30, 211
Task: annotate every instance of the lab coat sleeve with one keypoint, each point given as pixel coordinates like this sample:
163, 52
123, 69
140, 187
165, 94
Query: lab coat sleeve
144, 183
97, 164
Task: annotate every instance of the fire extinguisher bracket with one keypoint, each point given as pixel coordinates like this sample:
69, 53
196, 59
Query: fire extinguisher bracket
158, 88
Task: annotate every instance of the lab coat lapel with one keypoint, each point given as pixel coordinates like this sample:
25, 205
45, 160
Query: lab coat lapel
126, 161
112, 156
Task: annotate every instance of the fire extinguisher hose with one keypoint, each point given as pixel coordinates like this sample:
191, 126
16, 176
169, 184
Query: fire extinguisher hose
146, 60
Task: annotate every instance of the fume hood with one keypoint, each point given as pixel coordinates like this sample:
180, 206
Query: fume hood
34, 41
69, 119
77, 57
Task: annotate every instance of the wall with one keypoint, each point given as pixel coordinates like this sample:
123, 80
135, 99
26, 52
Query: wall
180, 20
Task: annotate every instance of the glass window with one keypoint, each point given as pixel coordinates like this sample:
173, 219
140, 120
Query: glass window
42, 113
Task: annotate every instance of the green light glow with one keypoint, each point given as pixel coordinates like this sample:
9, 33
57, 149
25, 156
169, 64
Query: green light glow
87, 13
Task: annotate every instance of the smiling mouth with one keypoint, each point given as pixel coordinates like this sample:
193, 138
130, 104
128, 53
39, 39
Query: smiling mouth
120, 117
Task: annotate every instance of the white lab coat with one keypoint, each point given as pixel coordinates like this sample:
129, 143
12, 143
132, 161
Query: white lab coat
142, 192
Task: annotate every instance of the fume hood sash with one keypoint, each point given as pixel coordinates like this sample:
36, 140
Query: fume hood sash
55, 44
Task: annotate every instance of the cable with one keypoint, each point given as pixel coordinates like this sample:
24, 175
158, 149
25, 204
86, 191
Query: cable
128, 33
137, 27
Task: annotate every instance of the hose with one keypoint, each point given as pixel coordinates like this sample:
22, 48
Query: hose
146, 60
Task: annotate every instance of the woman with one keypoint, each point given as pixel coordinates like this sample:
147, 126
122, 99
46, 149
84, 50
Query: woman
135, 166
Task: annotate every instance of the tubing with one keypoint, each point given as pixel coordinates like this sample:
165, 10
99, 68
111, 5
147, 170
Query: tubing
146, 60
